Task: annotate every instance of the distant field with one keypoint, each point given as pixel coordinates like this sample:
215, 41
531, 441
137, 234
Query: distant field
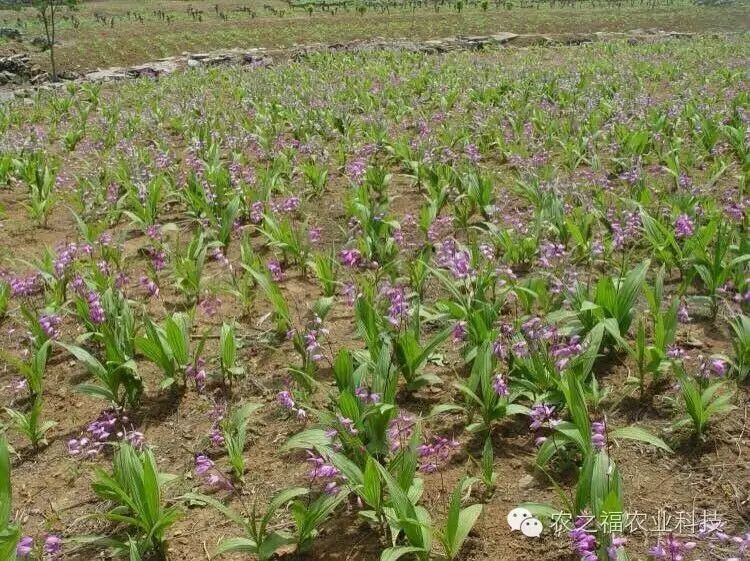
101, 34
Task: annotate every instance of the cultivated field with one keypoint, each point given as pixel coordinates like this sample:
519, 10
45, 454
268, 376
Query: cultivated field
372, 306
112, 33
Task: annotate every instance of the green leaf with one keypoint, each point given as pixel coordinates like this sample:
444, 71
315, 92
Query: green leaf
5, 483
176, 332
394, 553
93, 365
371, 487
236, 545
310, 438
641, 435
466, 520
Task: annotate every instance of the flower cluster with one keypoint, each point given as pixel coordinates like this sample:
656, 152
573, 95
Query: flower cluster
274, 267
286, 401
350, 257
712, 367
111, 425
96, 310
398, 304
500, 385
367, 396
551, 254
25, 286
599, 434
322, 472
207, 472
671, 549
286, 205
197, 372
435, 453
584, 542
542, 417
400, 430
215, 435
50, 324
683, 226
625, 230
450, 256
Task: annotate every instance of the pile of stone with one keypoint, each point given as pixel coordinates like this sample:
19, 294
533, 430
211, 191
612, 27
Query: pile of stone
10, 33
18, 69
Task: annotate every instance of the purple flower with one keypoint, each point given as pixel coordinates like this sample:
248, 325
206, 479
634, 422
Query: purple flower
25, 286
398, 307
712, 367
459, 332
598, 435
216, 437
455, 259
682, 313
350, 257
96, 311
542, 416
277, 274
52, 546
683, 226
500, 386
320, 469
349, 291
675, 352
551, 254
24, 547
219, 256
50, 324
151, 288
520, 348
472, 152
735, 211
256, 212
355, 169
312, 346
434, 453
671, 549
110, 425
562, 352
400, 430
348, 425
203, 464
615, 545
315, 234
584, 541
197, 372
204, 468
718, 366
285, 399
498, 348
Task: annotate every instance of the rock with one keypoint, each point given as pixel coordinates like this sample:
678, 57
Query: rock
39, 78
503, 38
527, 482
193, 63
10, 33
41, 42
531, 40
8, 77
17, 69
106, 75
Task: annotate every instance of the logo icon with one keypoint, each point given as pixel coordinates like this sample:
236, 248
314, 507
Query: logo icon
521, 519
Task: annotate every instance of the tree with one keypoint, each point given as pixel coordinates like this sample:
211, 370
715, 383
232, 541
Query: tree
48, 10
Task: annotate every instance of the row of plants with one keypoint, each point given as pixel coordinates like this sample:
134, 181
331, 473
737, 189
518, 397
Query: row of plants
528, 227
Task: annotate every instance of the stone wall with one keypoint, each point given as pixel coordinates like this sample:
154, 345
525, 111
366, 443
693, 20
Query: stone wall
17, 68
